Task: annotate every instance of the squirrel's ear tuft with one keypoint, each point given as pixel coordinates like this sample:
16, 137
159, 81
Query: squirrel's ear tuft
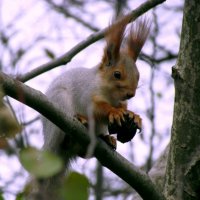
137, 37
114, 36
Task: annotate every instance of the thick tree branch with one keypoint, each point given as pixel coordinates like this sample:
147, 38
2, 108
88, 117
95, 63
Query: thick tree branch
64, 59
109, 158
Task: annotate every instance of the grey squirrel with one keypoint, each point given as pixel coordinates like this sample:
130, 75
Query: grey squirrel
104, 88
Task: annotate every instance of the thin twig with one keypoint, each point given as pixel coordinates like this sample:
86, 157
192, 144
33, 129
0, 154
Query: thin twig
66, 12
31, 121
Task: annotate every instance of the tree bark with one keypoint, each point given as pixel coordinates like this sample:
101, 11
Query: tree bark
183, 167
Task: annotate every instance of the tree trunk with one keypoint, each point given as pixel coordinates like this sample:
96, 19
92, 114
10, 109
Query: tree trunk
183, 168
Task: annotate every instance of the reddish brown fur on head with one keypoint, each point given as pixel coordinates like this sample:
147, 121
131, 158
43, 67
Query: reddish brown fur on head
115, 34
122, 61
137, 37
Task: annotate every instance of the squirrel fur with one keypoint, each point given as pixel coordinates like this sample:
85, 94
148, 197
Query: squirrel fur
104, 88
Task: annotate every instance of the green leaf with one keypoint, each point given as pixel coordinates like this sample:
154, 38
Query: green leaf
1, 196
3, 144
20, 196
41, 164
159, 94
49, 53
9, 125
76, 186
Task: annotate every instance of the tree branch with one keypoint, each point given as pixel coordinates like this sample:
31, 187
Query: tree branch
109, 158
66, 12
64, 59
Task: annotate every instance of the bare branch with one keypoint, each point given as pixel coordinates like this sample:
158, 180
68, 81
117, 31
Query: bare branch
31, 121
136, 178
66, 12
64, 59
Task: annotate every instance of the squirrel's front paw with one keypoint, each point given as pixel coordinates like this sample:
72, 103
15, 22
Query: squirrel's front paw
128, 129
116, 114
136, 118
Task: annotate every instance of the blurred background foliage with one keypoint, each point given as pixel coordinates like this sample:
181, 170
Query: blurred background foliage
34, 32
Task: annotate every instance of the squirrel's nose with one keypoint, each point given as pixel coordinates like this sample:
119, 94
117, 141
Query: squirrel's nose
129, 95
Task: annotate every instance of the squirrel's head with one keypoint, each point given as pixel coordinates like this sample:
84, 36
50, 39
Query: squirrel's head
118, 67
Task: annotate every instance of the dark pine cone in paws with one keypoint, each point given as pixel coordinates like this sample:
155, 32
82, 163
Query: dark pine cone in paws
126, 131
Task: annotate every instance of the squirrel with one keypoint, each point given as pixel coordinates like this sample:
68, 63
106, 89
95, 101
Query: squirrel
104, 88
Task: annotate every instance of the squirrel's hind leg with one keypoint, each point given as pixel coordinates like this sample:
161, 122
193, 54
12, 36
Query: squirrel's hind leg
110, 141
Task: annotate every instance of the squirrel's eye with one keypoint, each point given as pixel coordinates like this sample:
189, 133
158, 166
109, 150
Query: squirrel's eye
117, 74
